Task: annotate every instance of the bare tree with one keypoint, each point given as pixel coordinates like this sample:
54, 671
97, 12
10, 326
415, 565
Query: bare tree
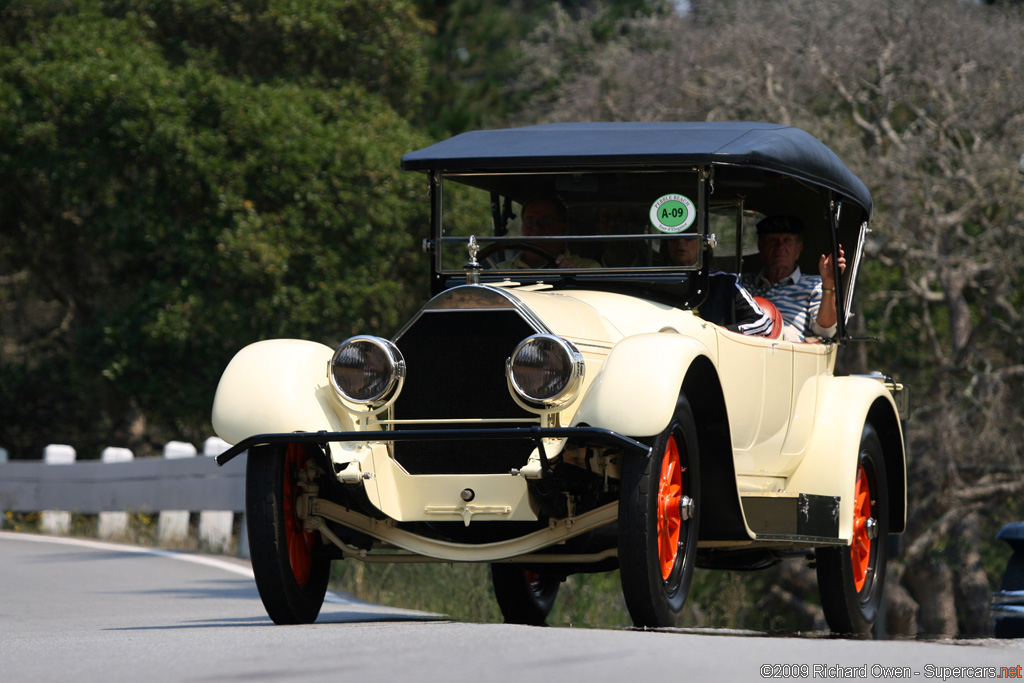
924, 100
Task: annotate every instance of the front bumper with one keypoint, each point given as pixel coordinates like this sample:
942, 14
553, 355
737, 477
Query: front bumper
586, 435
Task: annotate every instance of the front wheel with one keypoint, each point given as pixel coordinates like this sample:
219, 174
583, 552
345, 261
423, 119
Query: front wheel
659, 513
851, 581
290, 573
524, 596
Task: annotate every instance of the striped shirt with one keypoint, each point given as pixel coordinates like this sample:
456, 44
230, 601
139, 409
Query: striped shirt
730, 305
798, 298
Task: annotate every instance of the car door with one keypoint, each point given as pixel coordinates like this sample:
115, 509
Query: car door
757, 380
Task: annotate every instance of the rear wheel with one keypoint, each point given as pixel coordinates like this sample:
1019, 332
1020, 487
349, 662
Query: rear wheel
659, 513
290, 573
851, 580
524, 596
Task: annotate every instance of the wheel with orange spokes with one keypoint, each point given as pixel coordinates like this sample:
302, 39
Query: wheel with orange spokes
851, 580
524, 596
659, 514
290, 571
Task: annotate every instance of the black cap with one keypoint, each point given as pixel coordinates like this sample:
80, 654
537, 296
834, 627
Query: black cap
777, 224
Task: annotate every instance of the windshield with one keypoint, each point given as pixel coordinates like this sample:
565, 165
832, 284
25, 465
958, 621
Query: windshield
618, 222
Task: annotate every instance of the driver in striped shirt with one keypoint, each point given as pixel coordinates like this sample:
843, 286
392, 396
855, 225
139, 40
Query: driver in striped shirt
807, 302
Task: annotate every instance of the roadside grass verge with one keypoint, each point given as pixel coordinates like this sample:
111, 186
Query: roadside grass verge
718, 599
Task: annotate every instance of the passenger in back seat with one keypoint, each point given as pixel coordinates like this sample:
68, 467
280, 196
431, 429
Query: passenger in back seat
728, 304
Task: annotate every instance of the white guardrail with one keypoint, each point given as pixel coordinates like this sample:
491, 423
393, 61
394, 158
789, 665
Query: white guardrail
174, 487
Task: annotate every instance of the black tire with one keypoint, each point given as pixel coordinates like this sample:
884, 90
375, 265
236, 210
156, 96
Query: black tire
524, 597
852, 598
290, 573
656, 578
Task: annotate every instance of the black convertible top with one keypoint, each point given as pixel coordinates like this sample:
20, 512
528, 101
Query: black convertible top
766, 146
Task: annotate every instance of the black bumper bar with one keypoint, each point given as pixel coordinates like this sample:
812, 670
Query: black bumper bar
595, 435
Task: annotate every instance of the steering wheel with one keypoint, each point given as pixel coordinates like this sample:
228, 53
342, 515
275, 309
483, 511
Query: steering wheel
494, 247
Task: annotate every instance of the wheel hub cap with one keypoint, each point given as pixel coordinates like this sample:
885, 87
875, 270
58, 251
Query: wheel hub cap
685, 508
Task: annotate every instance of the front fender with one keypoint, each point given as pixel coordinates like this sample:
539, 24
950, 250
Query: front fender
635, 392
279, 385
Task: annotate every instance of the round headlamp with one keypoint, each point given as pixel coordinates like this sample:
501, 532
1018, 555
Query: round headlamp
367, 370
545, 370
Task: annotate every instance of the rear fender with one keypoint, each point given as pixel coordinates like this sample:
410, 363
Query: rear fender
829, 468
276, 386
635, 392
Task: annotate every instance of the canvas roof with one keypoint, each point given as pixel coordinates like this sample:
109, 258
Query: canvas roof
766, 146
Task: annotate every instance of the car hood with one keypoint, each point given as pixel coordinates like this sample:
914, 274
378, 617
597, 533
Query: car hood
580, 314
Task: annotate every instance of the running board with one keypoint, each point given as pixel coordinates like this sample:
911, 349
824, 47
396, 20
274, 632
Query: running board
800, 517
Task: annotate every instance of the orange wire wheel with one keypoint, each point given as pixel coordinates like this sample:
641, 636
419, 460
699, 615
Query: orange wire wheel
659, 514
670, 495
524, 596
290, 570
860, 549
851, 581
299, 541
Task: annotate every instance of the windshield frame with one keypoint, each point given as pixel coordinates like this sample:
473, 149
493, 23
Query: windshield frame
496, 233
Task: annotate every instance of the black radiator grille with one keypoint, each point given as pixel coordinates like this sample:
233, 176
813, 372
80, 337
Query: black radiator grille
456, 370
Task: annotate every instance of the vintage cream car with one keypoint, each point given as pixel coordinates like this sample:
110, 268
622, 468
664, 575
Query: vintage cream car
560, 405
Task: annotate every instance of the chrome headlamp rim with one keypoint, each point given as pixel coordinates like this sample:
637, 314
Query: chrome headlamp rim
572, 382
394, 364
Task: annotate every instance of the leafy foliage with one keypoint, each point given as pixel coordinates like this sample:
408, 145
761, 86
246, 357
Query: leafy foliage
476, 53
324, 43
161, 213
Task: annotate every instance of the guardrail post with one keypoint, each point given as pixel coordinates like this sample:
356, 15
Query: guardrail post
172, 525
113, 523
215, 526
57, 521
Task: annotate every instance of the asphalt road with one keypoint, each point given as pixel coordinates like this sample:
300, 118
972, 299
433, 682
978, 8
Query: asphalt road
82, 611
